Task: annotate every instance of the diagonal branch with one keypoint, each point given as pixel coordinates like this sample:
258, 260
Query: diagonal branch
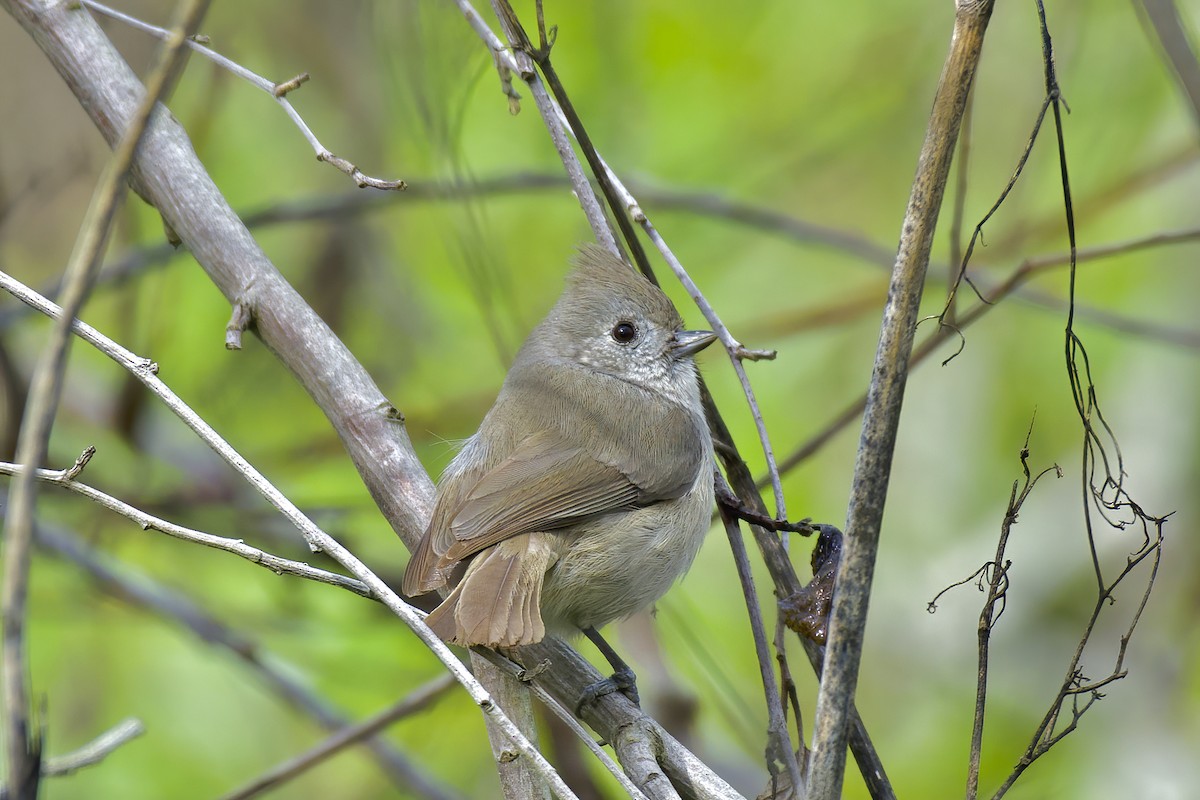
421, 698
94, 751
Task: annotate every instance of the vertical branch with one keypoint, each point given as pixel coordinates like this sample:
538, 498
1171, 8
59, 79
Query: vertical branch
779, 746
956, 219
518, 778
882, 417
995, 575
45, 390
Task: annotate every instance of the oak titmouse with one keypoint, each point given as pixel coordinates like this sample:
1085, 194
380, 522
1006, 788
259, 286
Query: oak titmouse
588, 488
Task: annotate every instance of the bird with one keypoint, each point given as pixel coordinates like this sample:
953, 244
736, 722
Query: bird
588, 488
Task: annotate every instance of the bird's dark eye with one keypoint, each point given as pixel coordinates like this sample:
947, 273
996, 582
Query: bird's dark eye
624, 332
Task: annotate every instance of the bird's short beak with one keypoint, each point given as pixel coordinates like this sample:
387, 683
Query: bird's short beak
688, 343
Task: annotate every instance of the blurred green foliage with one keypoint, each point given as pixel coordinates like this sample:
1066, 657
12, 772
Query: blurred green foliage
814, 111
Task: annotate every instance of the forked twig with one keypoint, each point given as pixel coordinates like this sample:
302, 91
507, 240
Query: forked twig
278, 91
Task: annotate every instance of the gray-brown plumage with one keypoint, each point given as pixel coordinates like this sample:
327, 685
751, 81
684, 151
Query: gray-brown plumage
588, 488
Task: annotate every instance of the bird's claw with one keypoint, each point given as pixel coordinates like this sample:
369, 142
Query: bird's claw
623, 680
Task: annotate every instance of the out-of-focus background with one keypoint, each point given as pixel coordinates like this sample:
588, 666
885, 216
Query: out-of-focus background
812, 114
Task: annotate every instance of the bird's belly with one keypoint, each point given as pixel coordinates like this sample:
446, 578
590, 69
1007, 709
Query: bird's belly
620, 563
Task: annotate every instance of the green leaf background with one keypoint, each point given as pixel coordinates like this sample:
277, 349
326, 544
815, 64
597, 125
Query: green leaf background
812, 111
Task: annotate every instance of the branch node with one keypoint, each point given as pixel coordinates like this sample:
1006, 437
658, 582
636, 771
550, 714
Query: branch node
527, 675
750, 354
72, 472
238, 322
393, 414
282, 89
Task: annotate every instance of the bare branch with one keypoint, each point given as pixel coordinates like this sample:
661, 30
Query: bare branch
145, 371
278, 565
279, 91
1177, 50
94, 751
884, 398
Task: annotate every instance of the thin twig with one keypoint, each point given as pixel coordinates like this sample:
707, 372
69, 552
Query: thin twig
995, 575
148, 522
882, 414
94, 751
42, 404
709, 204
1102, 476
519, 62
959, 206
779, 747
278, 91
1024, 272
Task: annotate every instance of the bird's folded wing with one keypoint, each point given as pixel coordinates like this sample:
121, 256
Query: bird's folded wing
544, 485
